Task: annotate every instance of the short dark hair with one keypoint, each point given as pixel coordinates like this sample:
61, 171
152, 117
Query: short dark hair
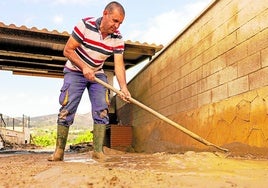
113, 5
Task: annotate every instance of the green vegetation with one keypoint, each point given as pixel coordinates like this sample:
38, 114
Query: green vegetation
80, 137
47, 137
44, 138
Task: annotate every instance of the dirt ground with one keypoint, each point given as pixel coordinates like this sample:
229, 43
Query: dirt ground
30, 168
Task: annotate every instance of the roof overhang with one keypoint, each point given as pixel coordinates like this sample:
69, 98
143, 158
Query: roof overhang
29, 51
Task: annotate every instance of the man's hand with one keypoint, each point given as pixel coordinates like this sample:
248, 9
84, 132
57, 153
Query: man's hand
125, 94
89, 73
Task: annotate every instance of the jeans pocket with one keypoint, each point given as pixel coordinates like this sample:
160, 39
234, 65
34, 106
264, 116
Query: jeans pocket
64, 95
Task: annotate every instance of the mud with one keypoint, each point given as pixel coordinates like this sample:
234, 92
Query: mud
189, 169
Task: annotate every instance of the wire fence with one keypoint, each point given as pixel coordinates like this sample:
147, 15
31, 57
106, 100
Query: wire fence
17, 124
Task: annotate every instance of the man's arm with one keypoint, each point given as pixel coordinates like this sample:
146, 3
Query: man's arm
69, 52
120, 73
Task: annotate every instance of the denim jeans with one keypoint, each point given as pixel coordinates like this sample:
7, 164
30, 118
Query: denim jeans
71, 93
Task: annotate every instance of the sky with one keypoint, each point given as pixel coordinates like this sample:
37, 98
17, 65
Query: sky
151, 21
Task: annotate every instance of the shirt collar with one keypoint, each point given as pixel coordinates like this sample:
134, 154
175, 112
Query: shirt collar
98, 22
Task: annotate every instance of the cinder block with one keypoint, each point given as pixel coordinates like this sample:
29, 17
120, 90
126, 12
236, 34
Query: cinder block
219, 93
264, 57
238, 86
249, 65
228, 74
258, 79
204, 98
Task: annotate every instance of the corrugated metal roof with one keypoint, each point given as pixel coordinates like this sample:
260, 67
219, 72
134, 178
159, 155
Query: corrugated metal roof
39, 52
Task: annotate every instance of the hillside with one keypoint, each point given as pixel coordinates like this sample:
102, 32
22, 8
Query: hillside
81, 121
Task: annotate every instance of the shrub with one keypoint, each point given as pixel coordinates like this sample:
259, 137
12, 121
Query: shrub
85, 136
45, 138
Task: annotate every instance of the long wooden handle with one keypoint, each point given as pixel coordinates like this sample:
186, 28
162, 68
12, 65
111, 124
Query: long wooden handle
186, 131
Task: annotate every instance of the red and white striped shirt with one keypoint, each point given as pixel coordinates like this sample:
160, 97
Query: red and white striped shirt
94, 50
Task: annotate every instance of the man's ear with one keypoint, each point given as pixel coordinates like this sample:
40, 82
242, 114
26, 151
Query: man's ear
105, 12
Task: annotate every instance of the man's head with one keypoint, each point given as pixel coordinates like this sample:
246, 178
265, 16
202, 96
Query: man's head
113, 16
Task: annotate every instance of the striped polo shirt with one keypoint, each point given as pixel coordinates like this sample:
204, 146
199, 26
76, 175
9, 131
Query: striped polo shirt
94, 50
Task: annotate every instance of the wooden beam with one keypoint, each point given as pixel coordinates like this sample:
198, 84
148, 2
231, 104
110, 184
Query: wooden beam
31, 56
48, 75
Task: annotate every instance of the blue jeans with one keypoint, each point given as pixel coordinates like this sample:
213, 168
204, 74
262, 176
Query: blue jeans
71, 93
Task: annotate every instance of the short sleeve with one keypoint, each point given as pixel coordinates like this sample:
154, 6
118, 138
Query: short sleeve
78, 31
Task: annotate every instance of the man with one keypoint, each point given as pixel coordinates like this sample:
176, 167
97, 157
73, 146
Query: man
92, 41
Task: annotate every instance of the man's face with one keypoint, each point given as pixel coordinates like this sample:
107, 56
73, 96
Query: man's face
112, 21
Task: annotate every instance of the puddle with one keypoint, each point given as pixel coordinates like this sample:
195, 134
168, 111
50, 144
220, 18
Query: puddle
79, 160
9, 153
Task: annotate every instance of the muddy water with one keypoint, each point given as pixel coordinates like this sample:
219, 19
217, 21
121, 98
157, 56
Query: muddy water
189, 169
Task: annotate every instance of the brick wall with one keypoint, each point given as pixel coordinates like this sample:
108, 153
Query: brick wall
121, 137
212, 79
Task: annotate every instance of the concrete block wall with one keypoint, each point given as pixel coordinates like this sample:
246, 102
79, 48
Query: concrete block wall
212, 79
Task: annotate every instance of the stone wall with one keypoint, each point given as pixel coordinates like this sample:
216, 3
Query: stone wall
212, 79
